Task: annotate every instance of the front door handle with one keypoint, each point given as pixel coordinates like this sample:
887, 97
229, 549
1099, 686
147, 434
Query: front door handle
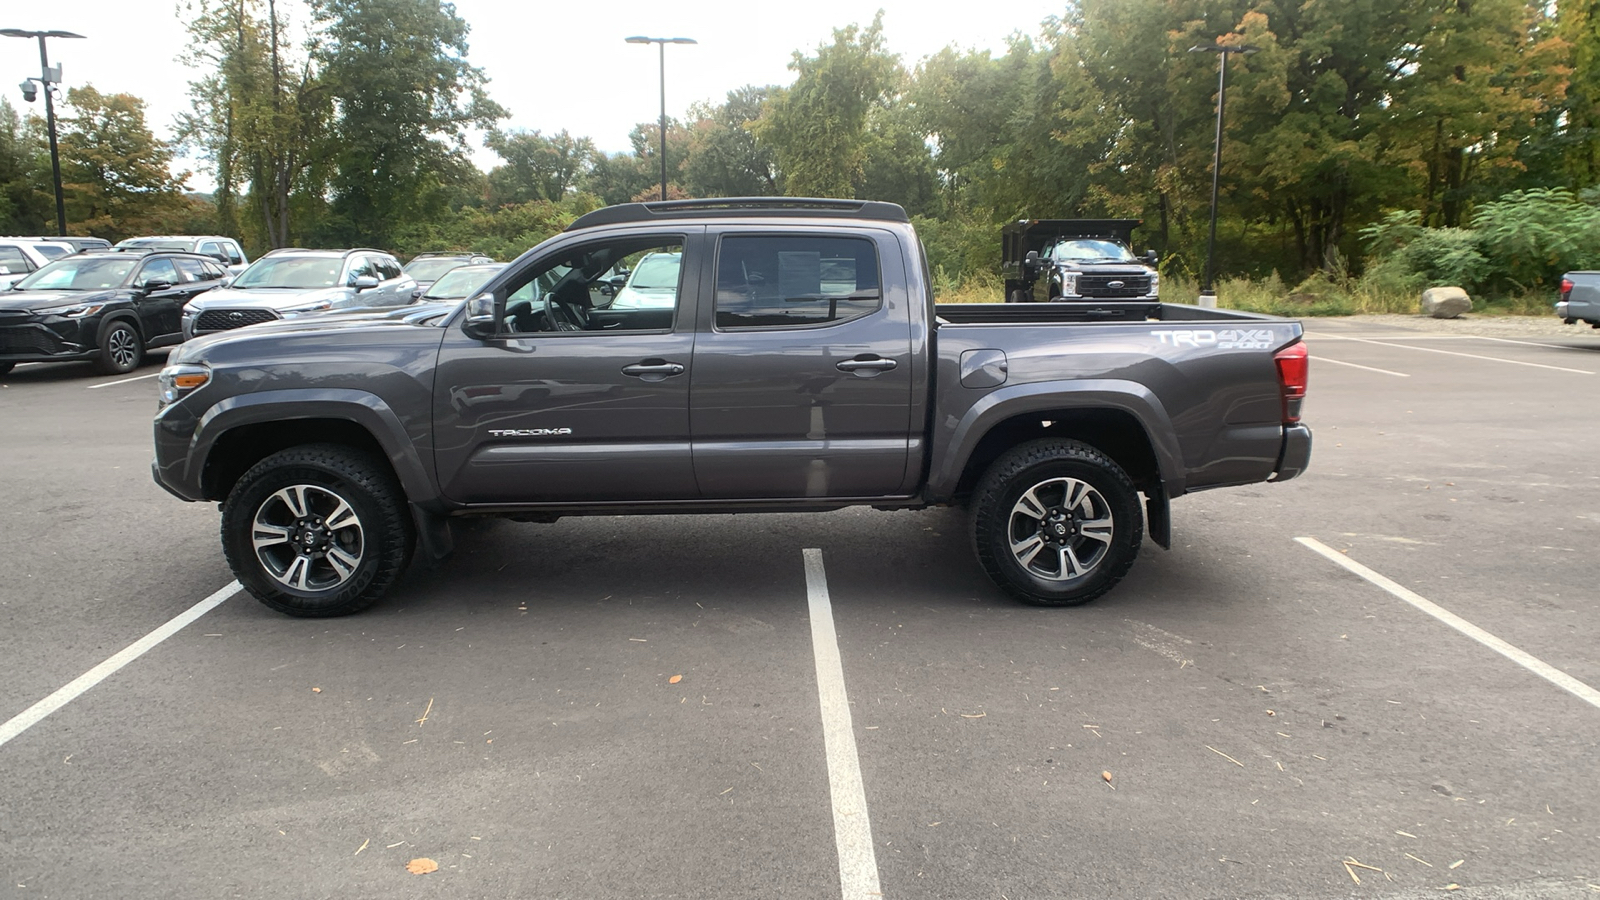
875, 365
653, 371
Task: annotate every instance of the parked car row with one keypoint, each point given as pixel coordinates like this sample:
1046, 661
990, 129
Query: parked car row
109, 305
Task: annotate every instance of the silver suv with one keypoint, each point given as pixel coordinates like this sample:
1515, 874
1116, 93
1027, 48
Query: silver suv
287, 283
224, 250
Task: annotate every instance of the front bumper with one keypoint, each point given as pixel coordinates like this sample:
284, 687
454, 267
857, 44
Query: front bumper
47, 339
1296, 453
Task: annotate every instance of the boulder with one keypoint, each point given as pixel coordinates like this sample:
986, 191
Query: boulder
1445, 302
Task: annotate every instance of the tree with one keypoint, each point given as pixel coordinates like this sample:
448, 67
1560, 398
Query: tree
724, 158
115, 174
403, 96
537, 167
24, 168
817, 127
259, 115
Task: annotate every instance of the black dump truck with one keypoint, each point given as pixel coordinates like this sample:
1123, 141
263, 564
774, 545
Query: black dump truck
1082, 259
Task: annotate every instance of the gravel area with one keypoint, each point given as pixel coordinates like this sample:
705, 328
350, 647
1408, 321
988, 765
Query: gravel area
1475, 324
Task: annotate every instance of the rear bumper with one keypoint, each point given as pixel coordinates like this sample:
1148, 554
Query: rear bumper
1296, 454
1584, 310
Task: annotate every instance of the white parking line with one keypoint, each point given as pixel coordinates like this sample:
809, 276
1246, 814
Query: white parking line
1532, 663
1340, 362
852, 828
1513, 362
31, 716
123, 381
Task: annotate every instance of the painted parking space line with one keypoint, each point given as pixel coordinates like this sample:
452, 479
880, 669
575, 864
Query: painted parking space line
76, 688
1513, 362
1526, 660
1340, 362
852, 828
123, 381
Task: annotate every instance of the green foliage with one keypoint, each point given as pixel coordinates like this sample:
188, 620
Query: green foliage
537, 167
116, 176
504, 233
723, 157
24, 169
404, 97
1532, 237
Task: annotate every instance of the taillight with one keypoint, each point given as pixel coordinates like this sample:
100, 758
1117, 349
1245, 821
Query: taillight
1294, 365
1566, 287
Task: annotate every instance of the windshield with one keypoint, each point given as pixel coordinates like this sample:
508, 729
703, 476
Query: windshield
657, 272
459, 282
52, 251
431, 269
153, 244
79, 274
292, 272
1085, 249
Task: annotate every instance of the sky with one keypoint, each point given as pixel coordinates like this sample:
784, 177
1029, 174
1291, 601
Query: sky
554, 65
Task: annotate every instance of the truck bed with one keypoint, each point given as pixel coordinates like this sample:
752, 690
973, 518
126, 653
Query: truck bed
1085, 311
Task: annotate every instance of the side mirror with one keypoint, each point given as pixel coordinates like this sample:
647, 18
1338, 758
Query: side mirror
364, 282
480, 322
219, 257
225, 280
1030, 264
1150, 258
156, 284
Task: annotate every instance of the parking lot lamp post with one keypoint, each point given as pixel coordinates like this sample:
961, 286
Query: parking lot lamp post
1208, 294
640, 39
47, 77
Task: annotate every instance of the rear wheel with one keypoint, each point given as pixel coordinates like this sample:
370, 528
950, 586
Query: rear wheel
121, 349
5, 368
1056, 523
319, 530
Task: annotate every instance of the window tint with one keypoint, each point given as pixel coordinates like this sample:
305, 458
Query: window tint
361, 265
193, 269
157, 270
213, 270
588, 288
12, 262
49, 251
389, 268
210, 248
235, 257
785, 282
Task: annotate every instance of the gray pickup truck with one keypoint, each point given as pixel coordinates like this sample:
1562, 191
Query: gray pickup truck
1580, 298
799, 364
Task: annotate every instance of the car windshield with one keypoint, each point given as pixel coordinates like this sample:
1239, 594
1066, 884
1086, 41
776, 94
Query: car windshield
1082, 250
154, 244
292, 272
52, 251
657, 272
79, 274
431, 269
459, 282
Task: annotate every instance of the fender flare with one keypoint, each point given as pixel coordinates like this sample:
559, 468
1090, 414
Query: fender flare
364, 409
1008, 402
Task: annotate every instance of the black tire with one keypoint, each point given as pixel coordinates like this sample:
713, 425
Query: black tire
1083, 509
121, 349
343, 530
5, 368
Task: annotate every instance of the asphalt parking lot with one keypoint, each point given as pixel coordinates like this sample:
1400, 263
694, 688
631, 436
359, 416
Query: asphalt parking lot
860, 713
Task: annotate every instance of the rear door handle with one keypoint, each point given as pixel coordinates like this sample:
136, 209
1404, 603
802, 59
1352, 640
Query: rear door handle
878, 365
653, 371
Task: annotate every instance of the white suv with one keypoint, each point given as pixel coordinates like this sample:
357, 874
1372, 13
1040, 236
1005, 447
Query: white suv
287, 283
20, 257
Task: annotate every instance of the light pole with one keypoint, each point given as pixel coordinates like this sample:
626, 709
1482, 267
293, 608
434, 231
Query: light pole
639, 39
1208, 295
47, 78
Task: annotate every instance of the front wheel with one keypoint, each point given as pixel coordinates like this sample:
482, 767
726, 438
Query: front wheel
318, 530
1056, 523
121, 349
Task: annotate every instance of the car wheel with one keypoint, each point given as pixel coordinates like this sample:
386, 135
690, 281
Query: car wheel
5, 368
121, 349
318, 530
1056, 523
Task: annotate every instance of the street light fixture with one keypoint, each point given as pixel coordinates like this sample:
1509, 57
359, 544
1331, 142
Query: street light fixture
639, 39
47, 78
1208, 295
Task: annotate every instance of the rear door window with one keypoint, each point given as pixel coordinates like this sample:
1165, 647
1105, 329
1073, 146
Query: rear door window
784, 281
13, 261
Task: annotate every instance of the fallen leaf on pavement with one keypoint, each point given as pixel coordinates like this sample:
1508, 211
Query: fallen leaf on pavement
316, 690
674, 679
422, 866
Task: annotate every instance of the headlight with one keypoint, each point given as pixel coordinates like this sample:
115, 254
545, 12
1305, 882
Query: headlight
1069, 284
74, 311
291, 313
179, 381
